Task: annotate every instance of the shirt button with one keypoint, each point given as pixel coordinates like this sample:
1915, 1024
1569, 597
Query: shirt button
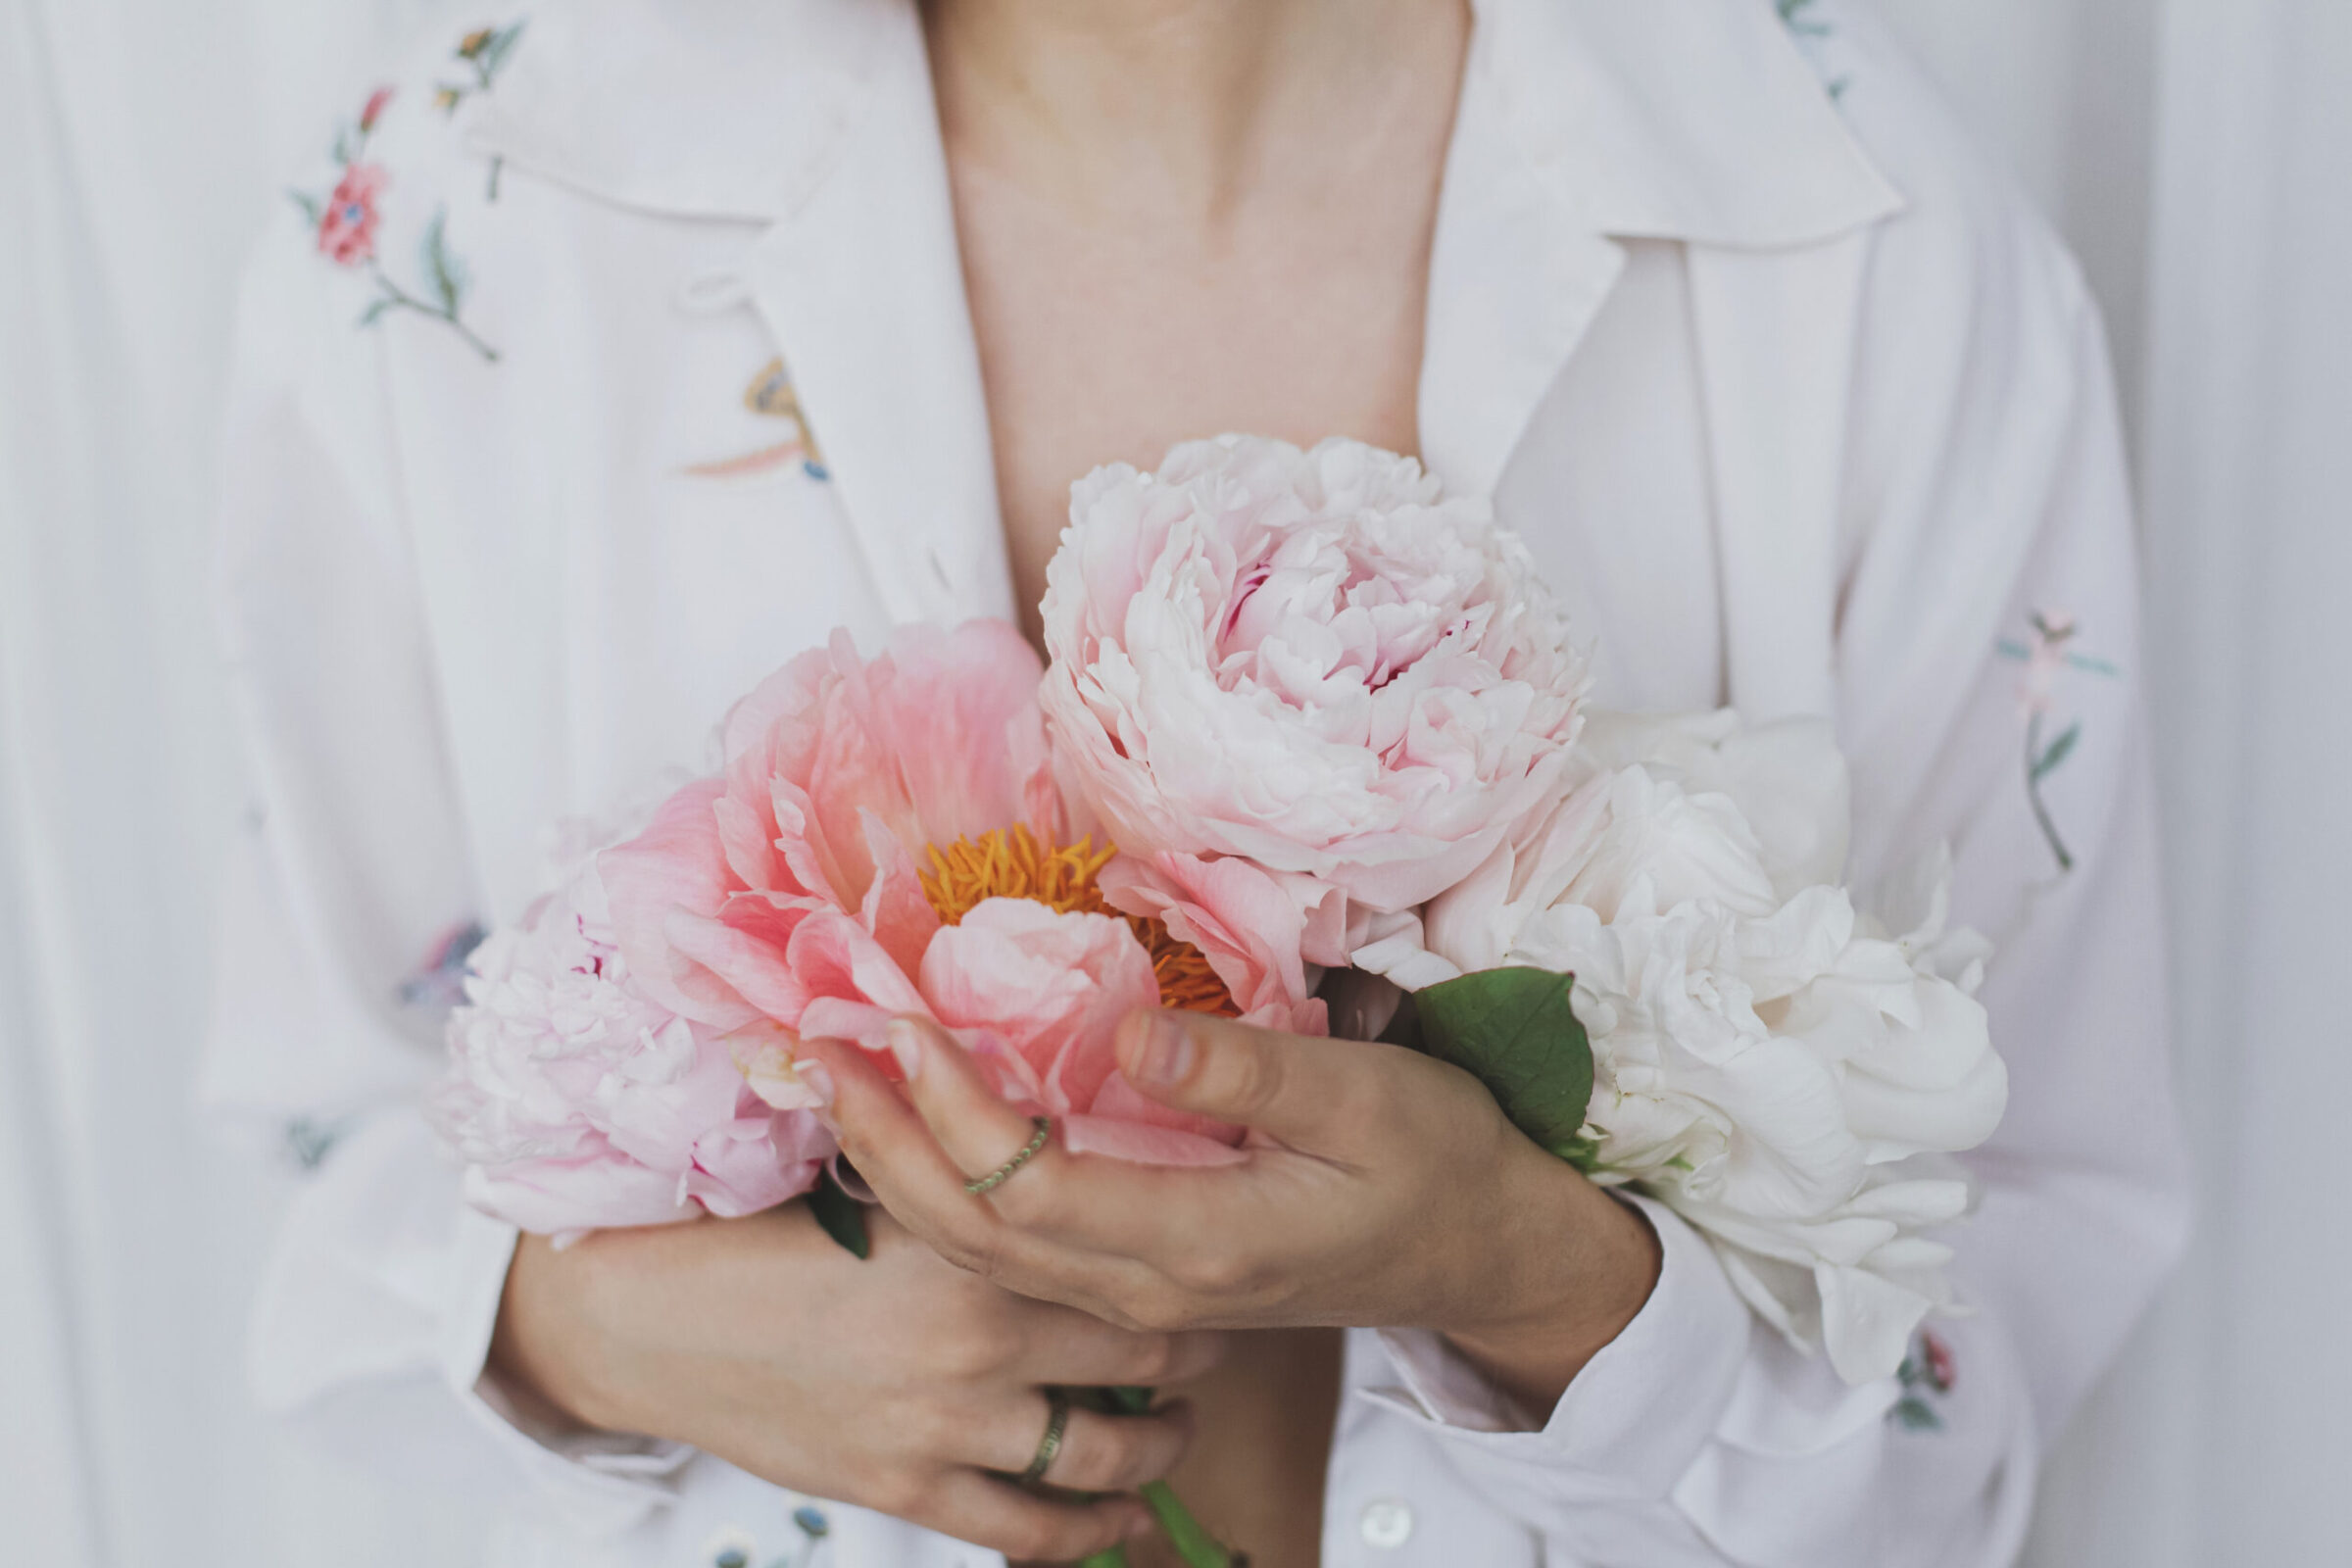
1387, 1524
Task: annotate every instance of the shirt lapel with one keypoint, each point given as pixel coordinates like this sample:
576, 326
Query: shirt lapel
1516, 275
814, 119
1585, 121
863, 284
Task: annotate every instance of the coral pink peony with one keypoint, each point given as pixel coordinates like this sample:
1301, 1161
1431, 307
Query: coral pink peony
884, 837
1305, 659
577, 1104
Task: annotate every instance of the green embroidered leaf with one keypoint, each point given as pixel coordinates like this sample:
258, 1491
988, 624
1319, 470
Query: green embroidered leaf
2060, 749
345, 152
1793, 12
445, 271
1914, 1414
379, 310
1513, 1030
313, 208
842, 1217
493, 55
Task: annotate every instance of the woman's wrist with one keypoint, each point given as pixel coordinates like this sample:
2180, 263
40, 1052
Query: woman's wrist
1574, 1266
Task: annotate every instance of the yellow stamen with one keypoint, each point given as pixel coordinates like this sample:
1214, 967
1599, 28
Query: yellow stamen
1012, 864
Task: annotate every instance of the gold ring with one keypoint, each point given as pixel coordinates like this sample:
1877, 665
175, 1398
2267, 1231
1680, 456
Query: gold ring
1002, 1173
1049, 1446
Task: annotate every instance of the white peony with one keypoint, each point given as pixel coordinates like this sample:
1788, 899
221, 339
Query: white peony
1771, 1063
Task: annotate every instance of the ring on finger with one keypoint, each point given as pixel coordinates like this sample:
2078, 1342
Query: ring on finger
1049, 1446
1043, 1127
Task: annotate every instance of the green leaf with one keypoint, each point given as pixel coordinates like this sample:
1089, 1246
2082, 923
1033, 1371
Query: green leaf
493, 56
1514, 1031
313, 208
379, 310
842, 1217
2060, 749
447, 273
1915, 1414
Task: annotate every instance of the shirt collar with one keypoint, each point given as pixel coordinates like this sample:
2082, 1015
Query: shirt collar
1688, 120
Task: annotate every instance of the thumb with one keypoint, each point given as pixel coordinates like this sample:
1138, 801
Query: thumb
1286, 1085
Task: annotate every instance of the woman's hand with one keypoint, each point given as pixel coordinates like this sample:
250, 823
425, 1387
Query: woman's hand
897, 1382
1381, 1188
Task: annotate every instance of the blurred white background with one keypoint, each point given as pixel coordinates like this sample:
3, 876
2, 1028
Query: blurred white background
2197, 153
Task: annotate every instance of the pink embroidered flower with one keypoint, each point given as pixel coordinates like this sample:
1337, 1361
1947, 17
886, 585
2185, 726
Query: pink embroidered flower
2045, 661
348, 221
374, 111
1309, 659
1943, 1370
886, 838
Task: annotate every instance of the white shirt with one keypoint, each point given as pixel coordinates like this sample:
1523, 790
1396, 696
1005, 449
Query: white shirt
1791, 397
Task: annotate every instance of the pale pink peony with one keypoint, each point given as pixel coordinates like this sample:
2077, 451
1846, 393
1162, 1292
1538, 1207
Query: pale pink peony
885, 838
577, 1104
1308, 659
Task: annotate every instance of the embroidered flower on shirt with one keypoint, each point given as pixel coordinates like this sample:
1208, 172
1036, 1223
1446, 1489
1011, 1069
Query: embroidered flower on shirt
438, 982
736, 1547
347, 220
772, 394
352, 213
1927, 1376
309, 1140
483, 54
2047, 654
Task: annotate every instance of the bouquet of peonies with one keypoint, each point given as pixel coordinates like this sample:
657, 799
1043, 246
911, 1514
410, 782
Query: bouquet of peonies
1310, 735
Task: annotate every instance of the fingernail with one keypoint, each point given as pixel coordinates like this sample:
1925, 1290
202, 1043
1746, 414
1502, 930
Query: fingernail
1168, 1050
817, 1079
906, 1043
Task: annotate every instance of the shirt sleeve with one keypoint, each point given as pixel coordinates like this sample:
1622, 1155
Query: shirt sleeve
1987, 649
347, 914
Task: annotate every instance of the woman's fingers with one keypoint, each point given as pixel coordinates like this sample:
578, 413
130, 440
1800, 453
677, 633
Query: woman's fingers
1098, 1452
978, 1131
1078, 1349
1091, 1203
901, 1160
1025, 1527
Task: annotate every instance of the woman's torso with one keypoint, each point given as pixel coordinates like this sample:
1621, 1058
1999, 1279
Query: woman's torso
709, 436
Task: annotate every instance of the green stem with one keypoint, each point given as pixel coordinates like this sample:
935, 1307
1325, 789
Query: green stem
401, 299
2041, 811
1193, 1542
1191, 1539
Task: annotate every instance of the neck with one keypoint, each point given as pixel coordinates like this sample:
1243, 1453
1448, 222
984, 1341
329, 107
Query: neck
1107, 104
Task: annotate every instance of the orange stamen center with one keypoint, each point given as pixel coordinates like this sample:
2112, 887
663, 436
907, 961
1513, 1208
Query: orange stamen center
1012, 864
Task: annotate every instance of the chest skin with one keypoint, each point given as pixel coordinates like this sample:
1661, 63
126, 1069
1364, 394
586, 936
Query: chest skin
1111, 333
